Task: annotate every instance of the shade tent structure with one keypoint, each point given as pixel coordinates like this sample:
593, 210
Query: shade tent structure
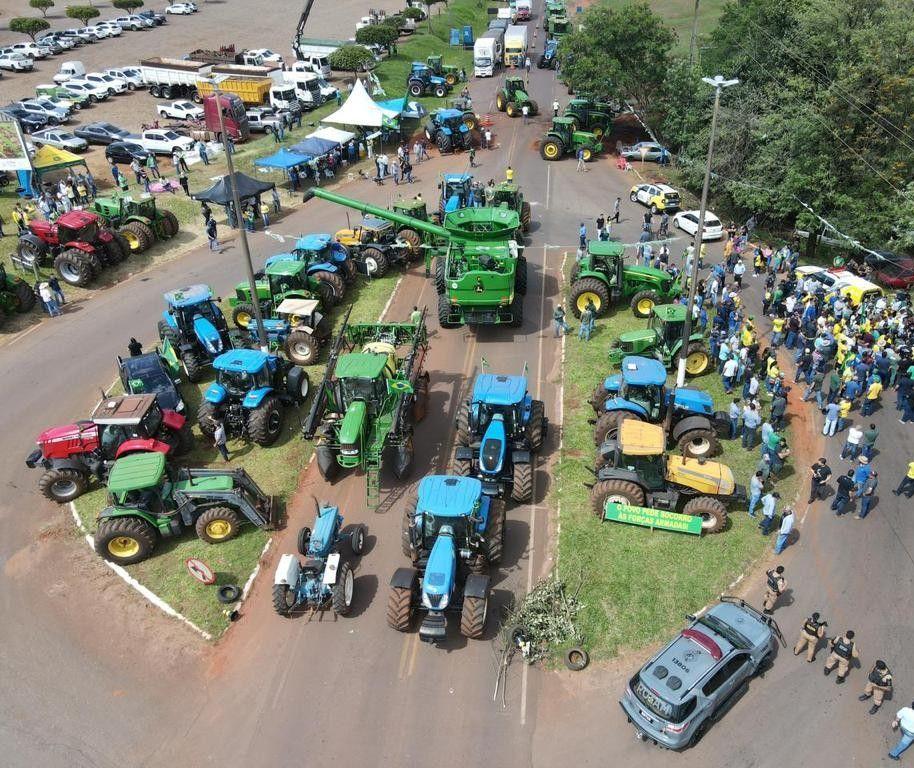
314, 147
331, 134
404, 108
359, 109
221, 192
47, 160
283, 160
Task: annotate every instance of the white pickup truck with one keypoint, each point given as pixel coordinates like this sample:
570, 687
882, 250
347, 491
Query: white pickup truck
163, 141
180, 110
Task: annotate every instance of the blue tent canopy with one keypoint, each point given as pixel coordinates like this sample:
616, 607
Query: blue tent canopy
405, 108
283, 159
314, 146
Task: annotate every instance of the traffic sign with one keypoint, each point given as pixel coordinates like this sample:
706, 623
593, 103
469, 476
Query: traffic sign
200, 571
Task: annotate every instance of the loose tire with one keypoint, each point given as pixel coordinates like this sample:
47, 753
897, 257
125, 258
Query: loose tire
283, 599
608, 424
621, 491
357, 540
124, 540
143, 232
589, 289
374, 261
473, 616
576, 659
643, 303
169, 223
63, 485
712, 512
697, 359
699, 444
552, 149
217, 524
337, 286
343, 590
74, 267
536, 427
522, 483
520, 276
400, 607
265, 421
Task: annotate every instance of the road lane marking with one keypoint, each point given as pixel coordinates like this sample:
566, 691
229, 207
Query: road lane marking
548, 184
404, 657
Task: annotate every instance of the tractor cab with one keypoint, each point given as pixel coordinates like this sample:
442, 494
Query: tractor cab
605, 257
642, 384
188, 306
506, 194
502, 397
319, 248
667, 322
71, 227
361, 377
456, 192
132, 416
241, 371
140, 480
515, 87
639, 449
451, 121
453, 506
413, 208
564, 127
371, 230
285, 277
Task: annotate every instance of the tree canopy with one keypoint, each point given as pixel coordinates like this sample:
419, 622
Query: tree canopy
351, 58
127, 5
28, 25
377, 34
42, 5
82, 12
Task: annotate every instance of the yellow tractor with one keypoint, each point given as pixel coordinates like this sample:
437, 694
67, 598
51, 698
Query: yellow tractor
375, 244
637, 473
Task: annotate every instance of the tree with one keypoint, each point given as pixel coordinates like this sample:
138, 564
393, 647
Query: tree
82, 12
351, 58
415, 14
430, 3
127, 5
42, 5
28, 25
377, 34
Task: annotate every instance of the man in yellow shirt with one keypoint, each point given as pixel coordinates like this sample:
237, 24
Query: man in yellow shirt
844, 408
777, 331
906, 486
872, 397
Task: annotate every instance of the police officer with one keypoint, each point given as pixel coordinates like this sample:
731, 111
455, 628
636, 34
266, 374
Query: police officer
811, 632
843, 651
775, 586
878, 684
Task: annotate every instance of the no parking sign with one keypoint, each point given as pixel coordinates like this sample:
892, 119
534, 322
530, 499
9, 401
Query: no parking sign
200, 571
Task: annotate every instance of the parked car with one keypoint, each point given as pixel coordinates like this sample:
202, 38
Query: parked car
92, 34
643, 150
29, 122
101, 133
55, 115
16, 62
82, 37
113, 84
114, 30
657, 197
133, 23
100, 31
53, 94
155, 17
895, 270
69, 70
55, 38
268, 56
687, 221
163, 141
90, 91
180, 9
129, 75
35, 50
180, 110
262, 119
52, 44
126, 152
56, 137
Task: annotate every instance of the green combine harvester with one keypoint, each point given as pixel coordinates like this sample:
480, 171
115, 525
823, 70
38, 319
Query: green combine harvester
480, 272
373, 393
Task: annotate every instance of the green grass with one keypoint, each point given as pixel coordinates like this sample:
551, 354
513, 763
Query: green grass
638, 584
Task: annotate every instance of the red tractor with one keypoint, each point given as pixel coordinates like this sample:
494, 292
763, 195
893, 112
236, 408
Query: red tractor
78, 242
72, 454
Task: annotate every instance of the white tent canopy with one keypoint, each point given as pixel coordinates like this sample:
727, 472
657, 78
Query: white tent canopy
331, 134
359, 109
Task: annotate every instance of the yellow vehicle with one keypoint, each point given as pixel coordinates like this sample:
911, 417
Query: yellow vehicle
841, 281
657, 197
637, 473
375, 244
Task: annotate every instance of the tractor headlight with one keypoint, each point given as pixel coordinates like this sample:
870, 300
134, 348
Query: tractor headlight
180, 406
435, 602
349, 449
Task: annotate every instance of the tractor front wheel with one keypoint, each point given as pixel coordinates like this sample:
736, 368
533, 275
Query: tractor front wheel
265, 421
620, 491
440, 91
337, 286
169, 224
522, 483
520, 276
536, 427
409, 514
495, 531
302, 348
592, 290
463, 423
125, 540
167, 333
511, 110
217, 524
242, 315
74, 267
697, 359
525, 216
63, 485
283, 599
699, 444
206, 418
451, 79
415, 243
462, 468
712, 512
193, 366
608, 424
343, 590
139, 234
184, 439
473, 616
24, 296
599, 397
643, 303
375, 262
400, 607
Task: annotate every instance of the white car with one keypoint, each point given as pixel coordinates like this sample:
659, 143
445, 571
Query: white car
93, 34
687, 221
55, 137
113, 30
34, 50
92, 91
100, 31
180, 110
163, 141
16, 62
132, 22
67, 104
53, 38
113, 84
268, 56
180, 9
129, 75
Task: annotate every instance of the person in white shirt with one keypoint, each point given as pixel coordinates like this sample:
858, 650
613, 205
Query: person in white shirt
729, 374
852, 445
904, 720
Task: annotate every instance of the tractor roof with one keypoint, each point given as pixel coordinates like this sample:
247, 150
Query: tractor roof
136, 472
189, 295
447, 114
241, 361
447, 496
373, 222
129, 409
284, 264
507, 186
670, 313
563, 121
313, 242
605, 248
643, 371
457, 178
496, 389
637, 438
298, 307
360, 365
76, 219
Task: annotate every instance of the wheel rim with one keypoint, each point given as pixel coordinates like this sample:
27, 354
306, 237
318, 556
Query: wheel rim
63, 488
348, 588
696, 362
586, 155
618, 498
132, 240
645, 306
123, 546
707, 521
218, 529
588, 296
699, 446
551, 151
68, 272
301, 350
598, 132
371, 265
304, 388
243, 319
274, 422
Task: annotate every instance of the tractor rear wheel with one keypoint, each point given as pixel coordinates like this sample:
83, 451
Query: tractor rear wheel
444, 312
517, 311
124, 540
586, 154
63, 485
520, 276
74, 267
327, 465
712, 512
217, 524
495, 531
473, 616
440, 279
167, 333
169, 223
265, 421
444, 142
697, 359
699, 444
463, 423
608, 424
283, 599
400, 607
643, 303
302, 348
462, 468
589, 289
243, 314
375, 262
408, 515
621, 491
552, 149
142, 233
536, 426
337, 286
343, 590
525, 216
522, 483
206, 418
193, 366
415, 243
599, 397
24, 296
500, 102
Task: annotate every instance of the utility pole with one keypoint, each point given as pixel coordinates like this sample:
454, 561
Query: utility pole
719, 84
694, 34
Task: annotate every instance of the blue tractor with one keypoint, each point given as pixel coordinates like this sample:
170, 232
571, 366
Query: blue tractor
548, 58
249, 393
447, 129
324, 579
195, 328
451, 531
298, 328
421, 81
640, 392
456, 192
498, 430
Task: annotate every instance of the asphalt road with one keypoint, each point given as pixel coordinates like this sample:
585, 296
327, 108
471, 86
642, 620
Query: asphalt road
97, 678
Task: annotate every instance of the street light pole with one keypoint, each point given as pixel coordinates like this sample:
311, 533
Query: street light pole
236, 202
719, 84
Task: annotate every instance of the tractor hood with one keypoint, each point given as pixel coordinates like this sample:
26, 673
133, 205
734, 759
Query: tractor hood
208, 335
706, 477
648, 274
492, 450
275, 258
621, 404
87, 432
351, 427
695, 400
207, 483
215, 393
637, 340
440, 571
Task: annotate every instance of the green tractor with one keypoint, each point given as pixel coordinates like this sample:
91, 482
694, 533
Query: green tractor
283, 279
508, 195
150, 501
556, 26
373, 393
590, 115
602, 278
662, 339
512, 98
564, 138
15, 294
449, 72
138, 222
553, 9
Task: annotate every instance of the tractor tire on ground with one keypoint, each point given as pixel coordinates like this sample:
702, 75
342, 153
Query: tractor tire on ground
443, 142
462, 468
302, 348
699, 444
501, 102
644, 302
357, 540
622, 491
243, 315
473, 616
697, 359
25, 296
462, 421
592, 289
451, 79
283, 599
400, 608
265, 421
343, 590
517, 311
586, 154
374, 262
415, 243
74, 267
495, 531
415, 90
576, 659
303, 540
522, 483
111, 253
193, 366
167, 333
712, 512
408, 514
144, 235
63, 485
444, 312
125, 540
526, 216
536, 426
511, 110
217, 524
520, 276
551, 149
206, 418
169, 224
440, 91
122, 242
608, 423
440, 280
228, 594
599, 397
335, 282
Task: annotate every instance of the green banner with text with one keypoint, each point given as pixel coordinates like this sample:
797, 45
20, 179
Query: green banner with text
652, 518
